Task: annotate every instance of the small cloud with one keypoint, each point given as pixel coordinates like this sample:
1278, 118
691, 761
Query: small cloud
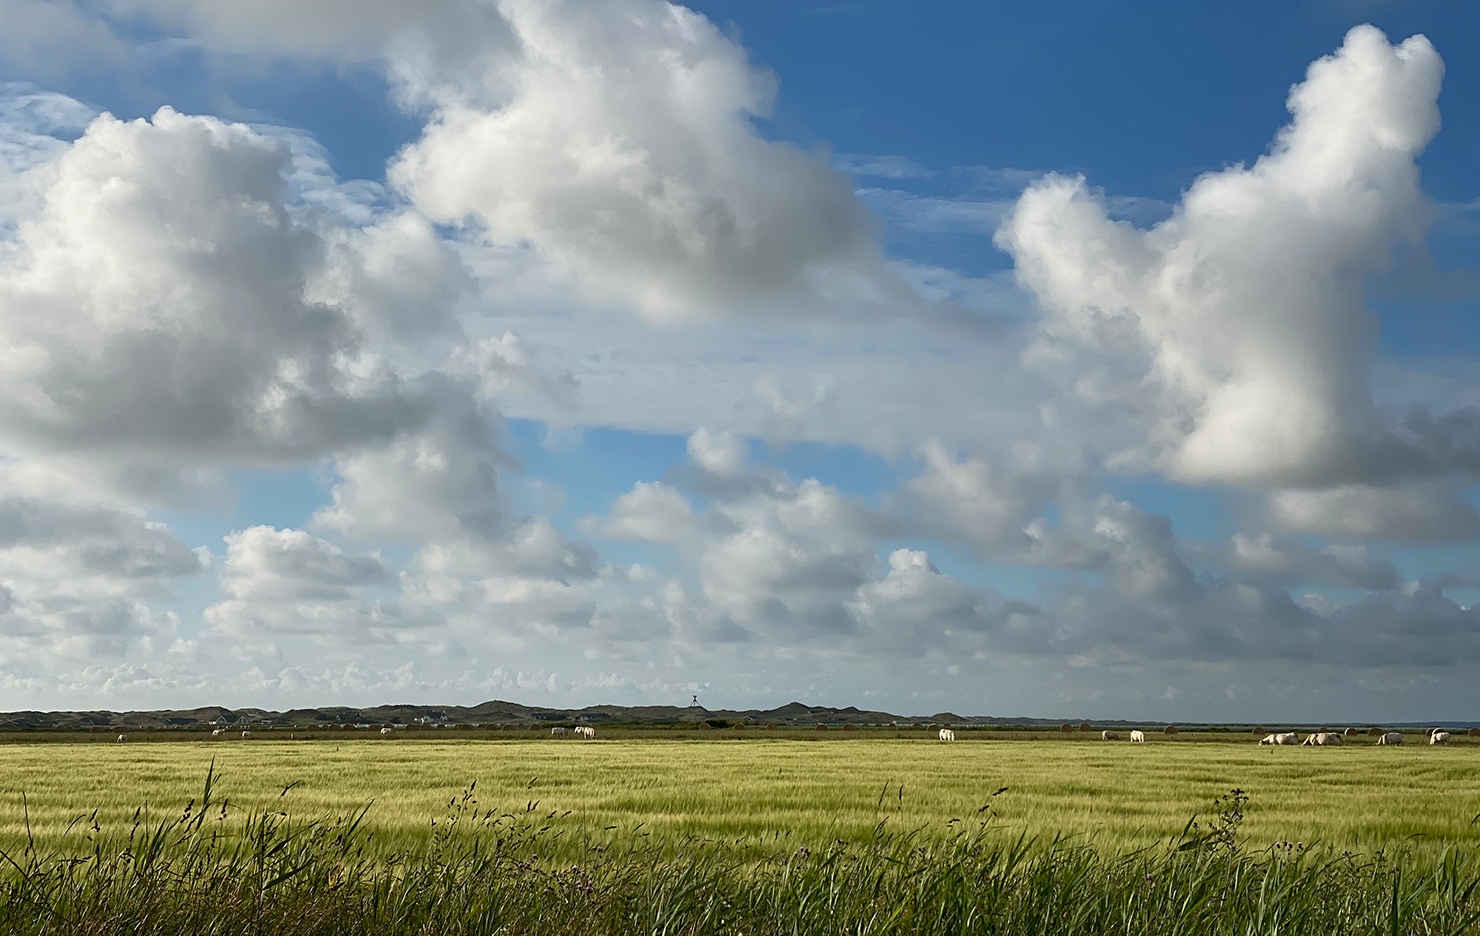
886, 167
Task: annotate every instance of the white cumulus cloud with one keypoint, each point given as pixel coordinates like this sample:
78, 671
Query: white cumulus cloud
1239, 323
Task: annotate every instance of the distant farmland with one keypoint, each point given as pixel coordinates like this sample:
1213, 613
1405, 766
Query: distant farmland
771, 793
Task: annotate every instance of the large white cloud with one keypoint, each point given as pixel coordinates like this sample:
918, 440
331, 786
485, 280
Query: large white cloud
1238, 324
627, 156
155, 306
617, 139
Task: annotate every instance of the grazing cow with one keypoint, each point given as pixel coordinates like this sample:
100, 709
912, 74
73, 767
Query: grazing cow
387, 731
246, 736
1390, 737
1439, 737
947, 734
1109, 736
558, 732
1322, 739
218, 733
122, 738
1138, 736
587, 732
1288, 737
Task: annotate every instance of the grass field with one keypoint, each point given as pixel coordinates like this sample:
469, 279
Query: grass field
712, 836
772, 794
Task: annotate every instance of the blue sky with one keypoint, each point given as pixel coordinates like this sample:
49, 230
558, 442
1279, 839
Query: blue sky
1100, 360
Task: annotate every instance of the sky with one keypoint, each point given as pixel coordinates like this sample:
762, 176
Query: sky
1084, 360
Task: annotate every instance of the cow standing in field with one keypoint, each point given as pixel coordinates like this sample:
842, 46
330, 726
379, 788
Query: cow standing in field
1288, 737
947, 734
386, 732
1322, 739
122, 738
1390, 737
587, 732
1109, 735
558, 732
246, 736
218, 732
1439, 737
1138, 737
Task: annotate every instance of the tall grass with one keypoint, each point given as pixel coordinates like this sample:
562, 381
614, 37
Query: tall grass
205, 871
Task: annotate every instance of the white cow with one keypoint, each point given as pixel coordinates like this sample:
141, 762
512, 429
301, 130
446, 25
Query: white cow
1391, 737
587, 732
947, 734
1288, 737
1439, 737
387, 731
558, 732
218, 732
1138, 736
122, 738
1109, 735
246, 736
1322, 739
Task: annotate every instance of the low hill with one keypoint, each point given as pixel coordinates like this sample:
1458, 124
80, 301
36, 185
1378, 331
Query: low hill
498, 712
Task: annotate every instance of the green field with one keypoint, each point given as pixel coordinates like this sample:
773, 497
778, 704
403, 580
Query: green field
773, 794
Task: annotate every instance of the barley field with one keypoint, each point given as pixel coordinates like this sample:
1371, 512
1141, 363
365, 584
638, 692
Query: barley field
714, 835
769, 795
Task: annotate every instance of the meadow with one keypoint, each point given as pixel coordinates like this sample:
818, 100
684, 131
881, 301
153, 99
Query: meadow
767, 794
779, 834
